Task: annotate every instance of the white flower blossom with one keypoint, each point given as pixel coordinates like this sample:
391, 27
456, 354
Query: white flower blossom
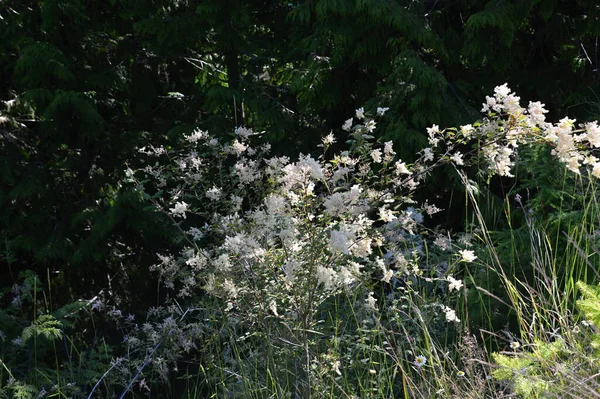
467, 255
433, 132
237, 148
382, 110
370, 126
457, 158
592, 131
196, 136
454, 284
401, 169
442, 243
536, 112
386, 215
360, 113
420, 361
339, 241
214, 194
376, 155
388, 149
428, 154
329, 139
335, 366
243, 132
467, 131
387, 275
450, 315
326, 276
347, 125
431, 209
371, 302
179, 209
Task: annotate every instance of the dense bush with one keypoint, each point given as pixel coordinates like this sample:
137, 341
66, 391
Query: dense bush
405, 260
321, 277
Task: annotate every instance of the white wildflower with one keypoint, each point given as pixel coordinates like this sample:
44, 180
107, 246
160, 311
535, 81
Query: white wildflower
388, 149
432, 132
431, 209
442, 243
420, 361
335, 204
362, 248
339, 241
593, 133
457, 158
222, 263
467, 255
454, 284
236, 202
536, 112
387, 275
347, 125
400, 168
214, 194
196, 136
273, 308
450, 315
179, 209
467, 131
247, 171
312, 166
501, 92
335, 366
382, 110
237, 148
345, 276
230, 289
329, 139
371, 302
326, 276
370, 126
376, 155
596, 170
243, 132
360, 113
491, 105
386, 215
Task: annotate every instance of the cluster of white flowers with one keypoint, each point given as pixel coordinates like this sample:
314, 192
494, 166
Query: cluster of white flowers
179, 209
273, 226
196, 135
467, 255
508, 125
450, 315
454, 283
214, 194
314, 220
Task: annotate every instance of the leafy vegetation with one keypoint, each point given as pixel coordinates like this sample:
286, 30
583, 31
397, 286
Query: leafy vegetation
139, 139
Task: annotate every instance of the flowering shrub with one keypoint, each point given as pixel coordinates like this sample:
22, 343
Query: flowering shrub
275, 239
275, 242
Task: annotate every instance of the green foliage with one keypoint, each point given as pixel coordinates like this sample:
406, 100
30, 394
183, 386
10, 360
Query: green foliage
45, 351
43, 65
84, 84
18, 390
561, 366
589, 305
45, 325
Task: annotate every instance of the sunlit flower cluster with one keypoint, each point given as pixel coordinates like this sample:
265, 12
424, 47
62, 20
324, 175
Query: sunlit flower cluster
271, 235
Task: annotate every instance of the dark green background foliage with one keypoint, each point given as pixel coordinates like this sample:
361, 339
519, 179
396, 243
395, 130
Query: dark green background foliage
84, 83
